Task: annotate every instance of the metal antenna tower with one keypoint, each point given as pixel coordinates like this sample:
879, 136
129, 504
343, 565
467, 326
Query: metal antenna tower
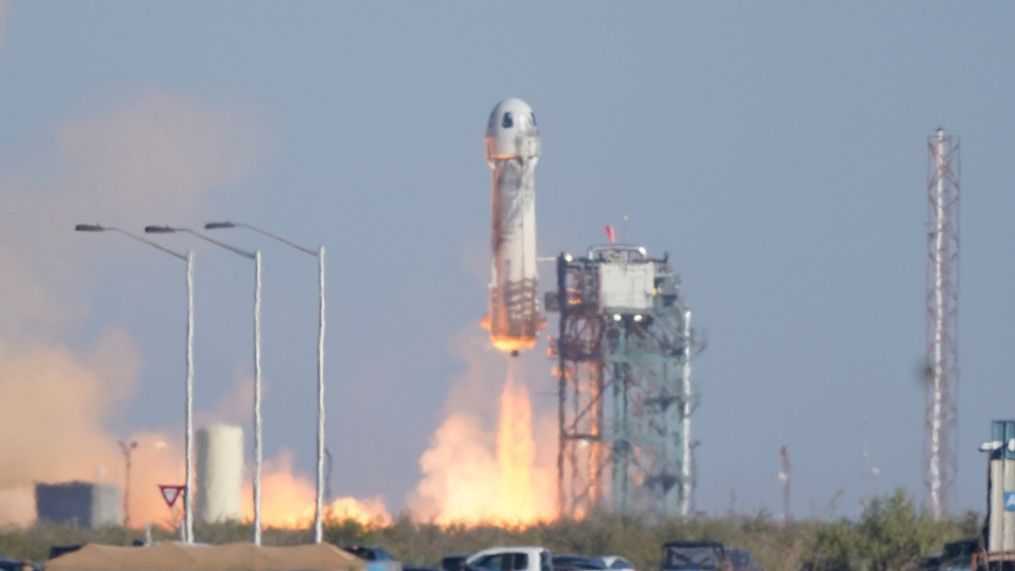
784, 476
942, 318
623, 348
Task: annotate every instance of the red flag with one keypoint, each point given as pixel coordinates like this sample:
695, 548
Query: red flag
610, 235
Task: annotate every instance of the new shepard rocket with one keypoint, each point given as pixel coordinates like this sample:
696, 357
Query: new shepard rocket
512, 150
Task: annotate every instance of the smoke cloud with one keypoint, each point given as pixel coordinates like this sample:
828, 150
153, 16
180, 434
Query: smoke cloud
155, 154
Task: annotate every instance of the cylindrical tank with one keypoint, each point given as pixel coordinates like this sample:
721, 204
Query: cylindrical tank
512, 150
219, 473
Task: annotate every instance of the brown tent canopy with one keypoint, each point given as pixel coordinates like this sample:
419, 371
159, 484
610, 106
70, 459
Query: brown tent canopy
234, 557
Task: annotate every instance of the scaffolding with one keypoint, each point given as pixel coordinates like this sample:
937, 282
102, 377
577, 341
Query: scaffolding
623, 349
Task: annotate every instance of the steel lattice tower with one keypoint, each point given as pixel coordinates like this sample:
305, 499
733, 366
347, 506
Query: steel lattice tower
942, 318
624, 390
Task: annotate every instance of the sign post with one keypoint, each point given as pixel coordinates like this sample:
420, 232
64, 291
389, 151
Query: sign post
170, 493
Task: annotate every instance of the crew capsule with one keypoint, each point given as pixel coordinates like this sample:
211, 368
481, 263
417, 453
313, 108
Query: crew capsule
511, 131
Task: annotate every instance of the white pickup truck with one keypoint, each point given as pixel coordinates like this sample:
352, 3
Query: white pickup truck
510, 559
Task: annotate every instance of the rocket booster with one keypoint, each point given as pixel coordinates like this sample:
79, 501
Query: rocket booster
512, 151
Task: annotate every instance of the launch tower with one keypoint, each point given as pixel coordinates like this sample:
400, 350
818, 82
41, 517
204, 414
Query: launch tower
623, 347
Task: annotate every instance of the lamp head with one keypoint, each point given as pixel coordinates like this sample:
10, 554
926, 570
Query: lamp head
219, 225
89, 228
159, 229
991, 445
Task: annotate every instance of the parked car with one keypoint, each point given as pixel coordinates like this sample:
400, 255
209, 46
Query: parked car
958, 555
510, 559
577, 563
694, 556
377, 558
7, 564
453, 562
823, 564
617, 563
742, 560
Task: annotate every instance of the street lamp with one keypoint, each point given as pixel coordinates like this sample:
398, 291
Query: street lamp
319, 254
188, 526
126, 448
256, 257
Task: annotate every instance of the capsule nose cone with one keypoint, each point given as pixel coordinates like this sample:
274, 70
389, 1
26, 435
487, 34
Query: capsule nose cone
511, 113
511, 130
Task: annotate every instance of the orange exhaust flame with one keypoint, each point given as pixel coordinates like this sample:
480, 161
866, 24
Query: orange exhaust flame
512, 345
473, 476
516, 452
288, 501
369, 512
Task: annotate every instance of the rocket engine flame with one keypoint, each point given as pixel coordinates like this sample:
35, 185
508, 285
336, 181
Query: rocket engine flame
512, 345
472, 475
516, 452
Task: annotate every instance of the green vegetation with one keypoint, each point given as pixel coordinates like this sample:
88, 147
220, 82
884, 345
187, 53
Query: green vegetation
891, 533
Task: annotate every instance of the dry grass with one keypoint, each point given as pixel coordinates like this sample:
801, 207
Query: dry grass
890, 525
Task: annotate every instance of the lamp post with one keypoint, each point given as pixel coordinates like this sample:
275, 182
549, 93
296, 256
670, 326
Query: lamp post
188, 257
256, 257
319, 254
126, 448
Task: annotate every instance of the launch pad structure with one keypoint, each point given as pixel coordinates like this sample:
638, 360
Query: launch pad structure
624, 348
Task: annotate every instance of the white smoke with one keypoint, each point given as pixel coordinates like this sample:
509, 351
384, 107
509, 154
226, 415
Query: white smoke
155, 154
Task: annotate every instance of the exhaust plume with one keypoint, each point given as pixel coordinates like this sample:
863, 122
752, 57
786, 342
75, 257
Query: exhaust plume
475, 473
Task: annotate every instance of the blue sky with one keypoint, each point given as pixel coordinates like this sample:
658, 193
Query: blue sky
776, 150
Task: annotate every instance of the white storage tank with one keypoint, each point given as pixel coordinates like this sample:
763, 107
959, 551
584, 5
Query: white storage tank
219, 473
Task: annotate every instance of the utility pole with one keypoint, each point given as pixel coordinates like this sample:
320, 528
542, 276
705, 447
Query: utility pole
187, 529
126, 448
318, 253
256, 258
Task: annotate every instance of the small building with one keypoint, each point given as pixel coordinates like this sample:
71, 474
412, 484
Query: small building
83, 504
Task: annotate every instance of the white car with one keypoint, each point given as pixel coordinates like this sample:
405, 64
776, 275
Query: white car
511, 559
617, 563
